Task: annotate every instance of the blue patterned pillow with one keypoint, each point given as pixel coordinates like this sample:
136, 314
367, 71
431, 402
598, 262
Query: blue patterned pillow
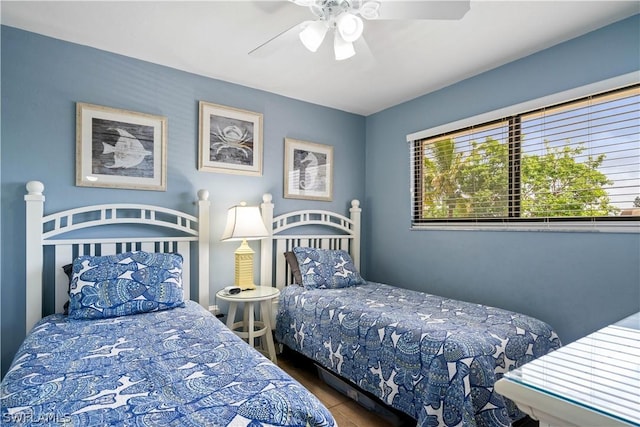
124, 284
327, 269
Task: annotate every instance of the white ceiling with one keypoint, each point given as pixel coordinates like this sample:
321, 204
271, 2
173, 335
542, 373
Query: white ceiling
404, 59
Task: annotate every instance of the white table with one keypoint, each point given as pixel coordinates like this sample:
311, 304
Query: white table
591, 382
252, 328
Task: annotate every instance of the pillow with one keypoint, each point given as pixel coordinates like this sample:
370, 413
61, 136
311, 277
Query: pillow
292, 261
326, 269
124, 284
68, 270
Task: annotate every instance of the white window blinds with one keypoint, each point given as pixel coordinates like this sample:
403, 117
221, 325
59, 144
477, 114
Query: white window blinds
577, 160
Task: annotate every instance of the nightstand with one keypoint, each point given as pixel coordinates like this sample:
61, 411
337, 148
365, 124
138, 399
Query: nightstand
250, 327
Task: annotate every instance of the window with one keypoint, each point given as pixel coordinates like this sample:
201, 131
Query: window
577, 161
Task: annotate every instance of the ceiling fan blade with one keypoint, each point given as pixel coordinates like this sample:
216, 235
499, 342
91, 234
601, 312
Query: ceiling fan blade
305, 3
269, 6
429, 9
284, 38
364, 55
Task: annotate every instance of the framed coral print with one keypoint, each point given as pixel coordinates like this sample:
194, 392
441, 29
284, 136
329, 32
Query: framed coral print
308, 170
120, 149
230, 140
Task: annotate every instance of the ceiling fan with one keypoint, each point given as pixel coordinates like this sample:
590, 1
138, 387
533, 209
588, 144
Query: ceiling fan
344, 18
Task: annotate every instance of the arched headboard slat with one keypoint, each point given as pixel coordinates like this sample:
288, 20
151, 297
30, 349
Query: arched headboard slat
344, 234
171, 231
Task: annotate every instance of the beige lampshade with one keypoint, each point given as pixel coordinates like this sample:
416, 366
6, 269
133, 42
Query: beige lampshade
244, 223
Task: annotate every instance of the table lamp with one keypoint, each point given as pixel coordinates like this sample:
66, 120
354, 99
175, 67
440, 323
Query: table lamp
244, 223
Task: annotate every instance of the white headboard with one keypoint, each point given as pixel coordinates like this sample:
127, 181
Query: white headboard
330, 230
171, 231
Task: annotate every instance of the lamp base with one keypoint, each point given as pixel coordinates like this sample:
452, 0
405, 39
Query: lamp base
244, 266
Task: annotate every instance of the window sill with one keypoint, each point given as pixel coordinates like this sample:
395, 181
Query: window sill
569, 226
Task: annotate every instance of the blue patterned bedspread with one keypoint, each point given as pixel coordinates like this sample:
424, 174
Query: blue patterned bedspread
179, 367
435, 359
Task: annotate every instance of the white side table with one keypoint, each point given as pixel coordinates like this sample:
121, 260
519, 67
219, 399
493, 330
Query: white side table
252, 328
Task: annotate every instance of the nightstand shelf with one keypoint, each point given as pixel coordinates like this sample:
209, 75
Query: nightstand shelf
249, 328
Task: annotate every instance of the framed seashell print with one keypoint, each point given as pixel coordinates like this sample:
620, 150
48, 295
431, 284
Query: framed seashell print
308, 170
230, 140
120, 149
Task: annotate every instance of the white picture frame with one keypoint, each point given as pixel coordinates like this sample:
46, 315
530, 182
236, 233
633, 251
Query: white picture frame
120, 149
308, 170
230, 140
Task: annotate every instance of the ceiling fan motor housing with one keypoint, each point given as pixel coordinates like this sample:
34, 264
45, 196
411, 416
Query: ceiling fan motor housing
344, 18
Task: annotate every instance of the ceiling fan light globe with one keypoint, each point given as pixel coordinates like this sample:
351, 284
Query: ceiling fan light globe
349, 26
342, 49
370, 9
313, 34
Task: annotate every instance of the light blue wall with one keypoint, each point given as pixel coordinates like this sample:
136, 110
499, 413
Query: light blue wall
578, 282
43, 78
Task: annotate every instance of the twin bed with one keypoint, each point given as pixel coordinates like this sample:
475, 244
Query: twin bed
433, 358
134, 349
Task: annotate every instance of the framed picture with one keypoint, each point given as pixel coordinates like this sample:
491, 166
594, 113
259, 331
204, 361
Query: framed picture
120, 149
308, 170
230, 140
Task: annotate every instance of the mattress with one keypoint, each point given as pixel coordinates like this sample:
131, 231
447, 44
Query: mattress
178, 367
436, 359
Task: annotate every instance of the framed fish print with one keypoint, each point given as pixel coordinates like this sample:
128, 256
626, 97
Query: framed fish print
308, 170
230, 140
120, 149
